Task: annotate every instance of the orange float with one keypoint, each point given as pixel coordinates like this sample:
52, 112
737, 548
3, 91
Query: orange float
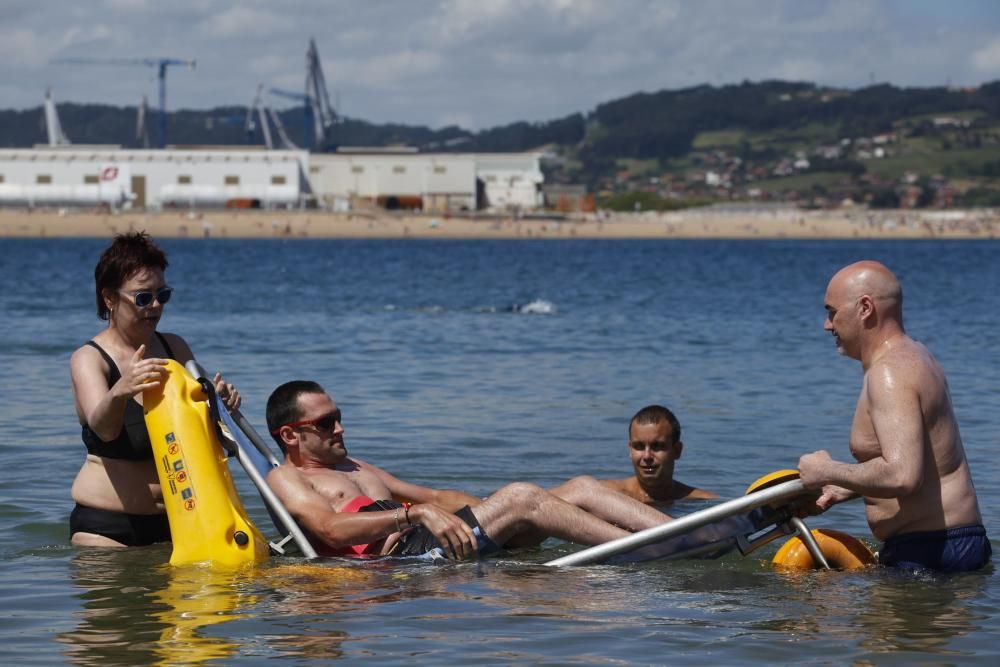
842, 552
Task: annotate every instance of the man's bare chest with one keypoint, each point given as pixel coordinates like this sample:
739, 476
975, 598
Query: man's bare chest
864, 441
345, 482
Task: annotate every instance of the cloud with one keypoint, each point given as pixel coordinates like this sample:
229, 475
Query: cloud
267, 65
126, 5
797, 69
491, 63
987, 59
400, 65
244, 22
21, 46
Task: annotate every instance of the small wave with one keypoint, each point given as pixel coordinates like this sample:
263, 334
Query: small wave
536, 307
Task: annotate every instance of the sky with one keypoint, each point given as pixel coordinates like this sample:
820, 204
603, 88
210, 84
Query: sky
483, 63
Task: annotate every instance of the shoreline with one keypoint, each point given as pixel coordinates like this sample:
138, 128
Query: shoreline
687, 224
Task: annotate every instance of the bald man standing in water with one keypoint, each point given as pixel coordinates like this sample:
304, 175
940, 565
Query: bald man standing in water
911, 467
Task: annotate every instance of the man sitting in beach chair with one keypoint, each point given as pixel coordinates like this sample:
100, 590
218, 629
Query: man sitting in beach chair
352, 508
654, 442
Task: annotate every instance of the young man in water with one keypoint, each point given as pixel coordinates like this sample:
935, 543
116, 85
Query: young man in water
351, 507
911, 467
654, 443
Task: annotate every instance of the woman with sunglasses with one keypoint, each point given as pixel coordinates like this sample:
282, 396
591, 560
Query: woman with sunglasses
117, 491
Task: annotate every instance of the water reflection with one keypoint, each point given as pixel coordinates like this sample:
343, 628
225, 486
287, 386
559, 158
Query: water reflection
879, 611
136, 613
193, 599
922, 613
119, 619
817, 605
139, 610
310, 600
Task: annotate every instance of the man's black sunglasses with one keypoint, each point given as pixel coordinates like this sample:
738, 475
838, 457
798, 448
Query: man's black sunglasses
326, 423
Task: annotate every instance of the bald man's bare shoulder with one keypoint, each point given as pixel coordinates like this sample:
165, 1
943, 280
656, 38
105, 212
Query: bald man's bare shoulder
906, 359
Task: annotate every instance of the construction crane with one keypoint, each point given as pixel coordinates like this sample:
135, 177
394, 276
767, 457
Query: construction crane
318, 112
53, 129
141, 130
282, 135
250, 125
323, 114
265, 117
160, 63
309, 127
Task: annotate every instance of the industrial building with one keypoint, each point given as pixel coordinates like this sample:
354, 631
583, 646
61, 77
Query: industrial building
396, 178
511, 181
155, 179
246, 177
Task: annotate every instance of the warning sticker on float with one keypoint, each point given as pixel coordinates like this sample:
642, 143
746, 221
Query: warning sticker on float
175, 472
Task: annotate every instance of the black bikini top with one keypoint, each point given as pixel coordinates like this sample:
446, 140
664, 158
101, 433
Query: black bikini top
132, 443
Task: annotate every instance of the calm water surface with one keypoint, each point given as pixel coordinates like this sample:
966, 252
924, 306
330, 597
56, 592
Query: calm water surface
445, 381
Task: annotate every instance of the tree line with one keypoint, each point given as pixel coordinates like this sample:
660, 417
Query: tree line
659, 125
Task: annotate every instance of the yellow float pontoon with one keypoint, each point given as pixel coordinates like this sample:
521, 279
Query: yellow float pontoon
207, 519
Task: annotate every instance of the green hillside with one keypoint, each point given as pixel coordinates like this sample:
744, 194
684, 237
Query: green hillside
765, 141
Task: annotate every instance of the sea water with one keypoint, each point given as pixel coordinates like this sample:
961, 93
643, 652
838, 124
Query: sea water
464, 364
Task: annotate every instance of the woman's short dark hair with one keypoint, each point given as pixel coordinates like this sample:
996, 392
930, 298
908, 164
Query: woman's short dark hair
127, 255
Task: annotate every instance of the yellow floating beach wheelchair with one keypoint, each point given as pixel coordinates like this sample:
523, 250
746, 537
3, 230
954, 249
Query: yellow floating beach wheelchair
193, 435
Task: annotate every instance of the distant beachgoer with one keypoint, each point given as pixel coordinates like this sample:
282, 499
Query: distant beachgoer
911, 469
117, 491
351, 507
654, 442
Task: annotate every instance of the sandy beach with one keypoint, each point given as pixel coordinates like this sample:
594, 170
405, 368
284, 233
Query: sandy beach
691, 223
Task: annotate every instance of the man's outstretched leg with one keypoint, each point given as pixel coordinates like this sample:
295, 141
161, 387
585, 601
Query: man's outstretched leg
615, 507
521, 508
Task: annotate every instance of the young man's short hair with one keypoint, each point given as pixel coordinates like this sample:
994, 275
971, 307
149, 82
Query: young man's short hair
283, 405
654, 414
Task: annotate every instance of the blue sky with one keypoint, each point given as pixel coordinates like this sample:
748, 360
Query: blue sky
481, 63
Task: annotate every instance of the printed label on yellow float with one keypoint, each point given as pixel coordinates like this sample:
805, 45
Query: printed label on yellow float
176, 474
